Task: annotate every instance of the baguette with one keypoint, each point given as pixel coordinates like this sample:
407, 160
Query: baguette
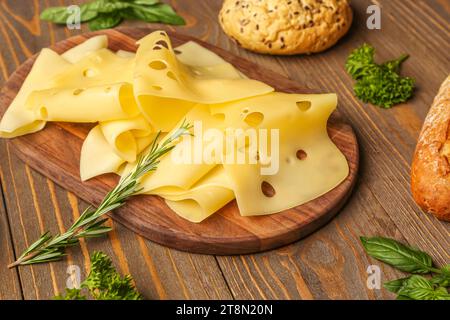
430, 171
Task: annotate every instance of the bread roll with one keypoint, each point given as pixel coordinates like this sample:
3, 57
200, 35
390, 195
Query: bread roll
286, 27
430, 175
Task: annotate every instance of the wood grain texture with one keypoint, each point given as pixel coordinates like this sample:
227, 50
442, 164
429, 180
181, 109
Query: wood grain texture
226, 232
381, 203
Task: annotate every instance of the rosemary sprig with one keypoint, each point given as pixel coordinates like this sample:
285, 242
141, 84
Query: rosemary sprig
88, 225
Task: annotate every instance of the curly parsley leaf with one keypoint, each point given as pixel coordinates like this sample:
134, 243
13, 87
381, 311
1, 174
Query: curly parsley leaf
379, 84
103, 283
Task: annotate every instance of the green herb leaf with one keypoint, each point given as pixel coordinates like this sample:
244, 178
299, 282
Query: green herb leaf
144, 2
104, 283
108, 6
60, 15
398, 255
360, 61
420, 288
443, 278
395, 285
157, 13
105, 21
378, 84
71, 294
104, 14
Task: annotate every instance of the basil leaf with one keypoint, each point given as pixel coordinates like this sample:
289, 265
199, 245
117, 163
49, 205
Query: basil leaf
442, 279
395, 285
144, 2
60, 15
107, 6
419, 288
105, 21
398, 255
157, 13
441, 293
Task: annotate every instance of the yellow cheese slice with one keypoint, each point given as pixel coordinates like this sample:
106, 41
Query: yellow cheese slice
158, 74
78, 52
205, 63
192, 54
206, 197
100, 103
310, 164
172, 173
18, 120
125, 54
122, 134
98, 157
101, 67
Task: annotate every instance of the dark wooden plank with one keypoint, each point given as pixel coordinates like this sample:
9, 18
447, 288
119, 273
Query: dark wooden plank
9, 279
227, 232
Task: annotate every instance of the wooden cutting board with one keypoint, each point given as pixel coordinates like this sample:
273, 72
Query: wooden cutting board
55, 152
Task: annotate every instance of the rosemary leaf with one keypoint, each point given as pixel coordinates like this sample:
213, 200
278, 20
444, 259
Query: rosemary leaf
90, 224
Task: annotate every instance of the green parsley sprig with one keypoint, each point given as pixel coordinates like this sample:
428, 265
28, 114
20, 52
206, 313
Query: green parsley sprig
103, 283
105, 14
379, 84
90, 223
408, 259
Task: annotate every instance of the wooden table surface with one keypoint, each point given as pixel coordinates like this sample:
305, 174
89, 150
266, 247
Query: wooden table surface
329, 264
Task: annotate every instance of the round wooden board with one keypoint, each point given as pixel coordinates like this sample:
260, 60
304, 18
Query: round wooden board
55, 152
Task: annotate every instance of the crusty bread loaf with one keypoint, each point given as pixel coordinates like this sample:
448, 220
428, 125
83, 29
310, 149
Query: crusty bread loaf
430, 174
286, 27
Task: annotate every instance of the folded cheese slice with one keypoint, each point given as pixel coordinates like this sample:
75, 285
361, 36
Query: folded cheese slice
99, 157
309, 164
203, 199
99, 103
18, 120
122, 135
78, 52
166, 89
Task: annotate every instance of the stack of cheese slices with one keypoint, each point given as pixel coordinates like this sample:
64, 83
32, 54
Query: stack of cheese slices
132, 96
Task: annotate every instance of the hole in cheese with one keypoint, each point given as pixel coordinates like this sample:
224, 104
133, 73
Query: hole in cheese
163, 34
77, 91
88, 73
303, 105
157, 88
157, 48
177, 51
301, 154
171, 75
163, 43
157, 65
254, 119
43, 113
107, 89
245, 110
267, 189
